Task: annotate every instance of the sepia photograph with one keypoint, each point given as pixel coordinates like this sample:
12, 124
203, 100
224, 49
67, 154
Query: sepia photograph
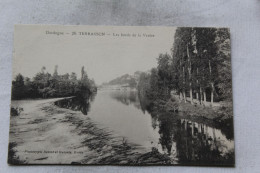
121, 95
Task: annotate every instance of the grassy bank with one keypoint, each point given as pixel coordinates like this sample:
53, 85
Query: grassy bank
220, 115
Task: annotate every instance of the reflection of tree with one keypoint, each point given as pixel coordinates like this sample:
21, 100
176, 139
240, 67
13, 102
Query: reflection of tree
144, 103
228, 129
193, 141
126, 97
154, 121
77, 103
196, 146
168, 126
92, 97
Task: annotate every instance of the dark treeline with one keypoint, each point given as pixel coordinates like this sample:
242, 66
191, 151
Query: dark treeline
45, 85
199, 68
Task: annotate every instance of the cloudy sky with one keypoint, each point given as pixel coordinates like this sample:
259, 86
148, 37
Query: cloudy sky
104, 57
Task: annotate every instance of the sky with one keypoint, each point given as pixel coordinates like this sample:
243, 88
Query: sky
104, 57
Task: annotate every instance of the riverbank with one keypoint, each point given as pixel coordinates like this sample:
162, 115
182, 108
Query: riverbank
220, 115
217, 116
46, 134
219, 111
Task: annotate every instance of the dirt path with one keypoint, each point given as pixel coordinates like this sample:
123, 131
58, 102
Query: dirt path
46, 134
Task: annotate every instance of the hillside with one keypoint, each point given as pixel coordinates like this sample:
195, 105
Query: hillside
126, 80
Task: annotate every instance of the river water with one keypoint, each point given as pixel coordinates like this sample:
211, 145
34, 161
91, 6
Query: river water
184, 141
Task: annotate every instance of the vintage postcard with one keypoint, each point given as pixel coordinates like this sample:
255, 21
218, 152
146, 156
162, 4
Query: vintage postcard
118, 95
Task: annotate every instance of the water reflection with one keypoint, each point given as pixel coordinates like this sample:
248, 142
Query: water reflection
77, 103
198, 143
182, 140
130, 97
167, 127
126, 97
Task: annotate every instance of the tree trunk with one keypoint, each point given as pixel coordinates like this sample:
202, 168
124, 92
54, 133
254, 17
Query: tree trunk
201, 95
212, 86
180, 96
204, 93
191, 98
192, 129
212, 94
197, 93
189, 69
184, 95
183, 90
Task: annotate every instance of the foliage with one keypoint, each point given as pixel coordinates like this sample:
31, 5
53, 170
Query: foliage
200, 63
45, 85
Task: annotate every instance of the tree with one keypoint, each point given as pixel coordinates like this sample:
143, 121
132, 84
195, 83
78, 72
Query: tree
201, 62
207, 50
164, 73
73, 76
55, 73
181, 53
224, 83
82, 73
44, 85
43, 69
132, 83
144, 84
154, 88
18, 87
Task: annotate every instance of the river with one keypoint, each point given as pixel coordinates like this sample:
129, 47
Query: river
182, 140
